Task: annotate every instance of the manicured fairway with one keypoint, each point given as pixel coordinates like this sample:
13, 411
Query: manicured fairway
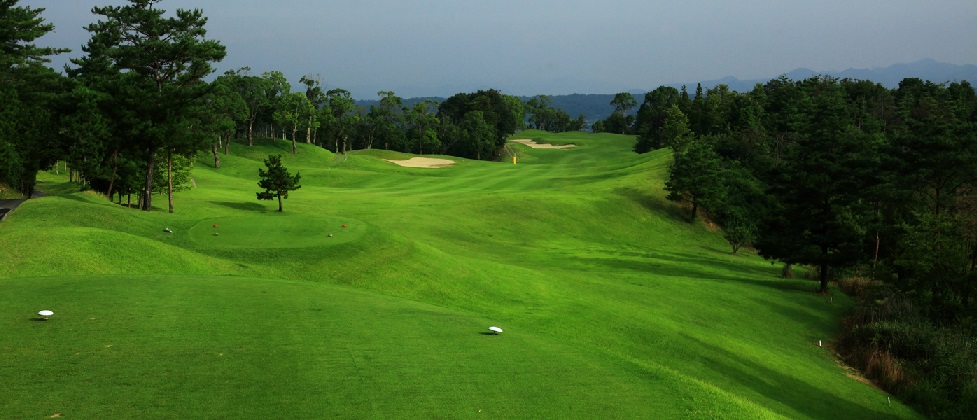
612, 306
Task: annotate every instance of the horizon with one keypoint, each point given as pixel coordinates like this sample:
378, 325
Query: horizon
441, 48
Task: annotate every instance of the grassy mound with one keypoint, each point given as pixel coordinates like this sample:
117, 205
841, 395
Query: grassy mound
612, 304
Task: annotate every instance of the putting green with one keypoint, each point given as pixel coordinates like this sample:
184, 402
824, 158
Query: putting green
276, 231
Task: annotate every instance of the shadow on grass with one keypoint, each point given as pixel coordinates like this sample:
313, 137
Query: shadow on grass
689, 265
487, 333
780, 387
656, 204
246, 206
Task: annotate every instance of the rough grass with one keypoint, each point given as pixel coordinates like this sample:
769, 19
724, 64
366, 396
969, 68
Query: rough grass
612, 305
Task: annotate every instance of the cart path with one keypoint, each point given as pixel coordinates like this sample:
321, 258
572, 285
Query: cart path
7, 206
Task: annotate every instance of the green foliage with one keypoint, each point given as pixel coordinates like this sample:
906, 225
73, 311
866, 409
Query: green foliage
652, 116
623, 102
224, 110
545, 117
180, 172
422, 127
696, 175
928, 365
838, 174
30, 92
341, 121
19, 28
276, 180
487, 114
153, 100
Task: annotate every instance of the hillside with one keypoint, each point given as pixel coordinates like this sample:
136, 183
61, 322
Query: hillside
611, 305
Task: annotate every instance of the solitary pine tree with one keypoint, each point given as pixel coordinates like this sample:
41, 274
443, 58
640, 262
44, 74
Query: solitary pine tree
276, 181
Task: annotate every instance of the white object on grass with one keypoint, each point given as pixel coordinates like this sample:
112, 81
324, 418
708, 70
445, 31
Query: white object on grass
45, 313
495, 329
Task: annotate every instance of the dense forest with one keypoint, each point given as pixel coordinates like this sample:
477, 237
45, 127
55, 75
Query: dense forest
871, 187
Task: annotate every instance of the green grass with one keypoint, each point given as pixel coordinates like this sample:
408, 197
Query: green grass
612, 305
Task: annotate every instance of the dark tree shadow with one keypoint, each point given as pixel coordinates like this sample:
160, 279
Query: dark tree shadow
246, 206
655, 204
693, 266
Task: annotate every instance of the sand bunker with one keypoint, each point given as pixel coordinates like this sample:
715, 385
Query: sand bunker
423, 162
534, 145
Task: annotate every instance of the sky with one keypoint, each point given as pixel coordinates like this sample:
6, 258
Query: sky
527, 47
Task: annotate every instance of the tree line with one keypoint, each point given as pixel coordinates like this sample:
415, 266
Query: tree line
129, 116
825, 172
857, 181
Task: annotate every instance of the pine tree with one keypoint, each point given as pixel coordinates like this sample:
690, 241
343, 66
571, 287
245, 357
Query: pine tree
276, 181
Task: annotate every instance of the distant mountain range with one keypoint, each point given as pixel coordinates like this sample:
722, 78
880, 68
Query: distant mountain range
927, 69
597, 106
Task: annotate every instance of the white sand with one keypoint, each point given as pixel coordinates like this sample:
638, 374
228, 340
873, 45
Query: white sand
423, 162
534, 145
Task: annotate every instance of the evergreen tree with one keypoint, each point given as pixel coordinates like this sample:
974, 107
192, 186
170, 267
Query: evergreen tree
31, 92
696, 175
155, 65
276, 180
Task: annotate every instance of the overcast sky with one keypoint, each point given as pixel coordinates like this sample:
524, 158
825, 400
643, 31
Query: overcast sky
442, 47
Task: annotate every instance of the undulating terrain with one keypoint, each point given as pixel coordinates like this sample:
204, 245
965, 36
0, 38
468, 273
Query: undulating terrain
612, 305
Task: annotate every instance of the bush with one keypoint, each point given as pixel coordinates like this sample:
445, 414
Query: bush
857, 286
931, 367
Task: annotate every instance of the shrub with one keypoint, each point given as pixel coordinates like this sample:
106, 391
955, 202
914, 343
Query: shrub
931, 367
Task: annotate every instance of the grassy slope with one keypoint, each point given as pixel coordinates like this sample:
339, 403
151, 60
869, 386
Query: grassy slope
612, 305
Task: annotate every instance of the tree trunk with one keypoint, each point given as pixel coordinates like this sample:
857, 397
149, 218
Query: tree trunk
695, 209
294, 150
217, 157
279, 202
227, 144
788, 271
169, 177
251, 132
824, 278
115, 168
875, 258
147, 194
